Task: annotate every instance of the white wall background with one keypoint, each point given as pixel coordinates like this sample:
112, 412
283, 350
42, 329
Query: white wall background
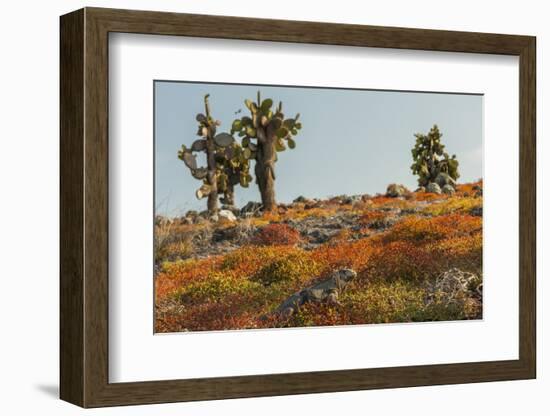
29, 158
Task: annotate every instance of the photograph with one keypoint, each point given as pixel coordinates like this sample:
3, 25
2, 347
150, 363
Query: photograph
284, 206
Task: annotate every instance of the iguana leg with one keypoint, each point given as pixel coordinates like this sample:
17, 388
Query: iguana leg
332, 298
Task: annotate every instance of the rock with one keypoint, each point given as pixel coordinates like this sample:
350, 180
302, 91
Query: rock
251, 208
348, 200
223, 234
433, 188
204, 214
334, 225
448, 189
454, 286
395, 190
199, 220
236, 211
191, 214
312, 204
318, 236
355, 199
186, 220
227, 215
477, 211
301, 199
443, 179
324, 291
190, 217
383, 223
162, 221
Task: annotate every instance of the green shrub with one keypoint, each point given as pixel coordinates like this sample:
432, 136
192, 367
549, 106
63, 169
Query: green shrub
291, 268
215, 288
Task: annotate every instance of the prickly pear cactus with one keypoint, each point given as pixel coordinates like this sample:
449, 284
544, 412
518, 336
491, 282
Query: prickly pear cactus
264, 133
430, 158
233, 169
226, 165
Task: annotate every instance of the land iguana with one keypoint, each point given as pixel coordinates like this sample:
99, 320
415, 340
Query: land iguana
324, 291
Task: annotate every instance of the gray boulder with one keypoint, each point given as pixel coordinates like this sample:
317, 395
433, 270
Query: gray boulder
395, 190
448, 189
318, 236
301, 198
433, 188
443, 179
251, 208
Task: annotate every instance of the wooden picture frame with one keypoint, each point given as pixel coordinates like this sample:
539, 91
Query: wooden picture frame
84, 207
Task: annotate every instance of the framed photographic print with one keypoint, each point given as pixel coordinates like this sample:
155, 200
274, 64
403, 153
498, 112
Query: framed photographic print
255, 207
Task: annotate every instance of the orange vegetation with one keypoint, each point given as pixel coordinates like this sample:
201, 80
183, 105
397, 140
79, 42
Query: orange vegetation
240, 288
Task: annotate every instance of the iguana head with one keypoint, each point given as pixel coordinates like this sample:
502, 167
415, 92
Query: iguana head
346, 275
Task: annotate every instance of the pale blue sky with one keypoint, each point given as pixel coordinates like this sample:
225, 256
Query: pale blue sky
352, 141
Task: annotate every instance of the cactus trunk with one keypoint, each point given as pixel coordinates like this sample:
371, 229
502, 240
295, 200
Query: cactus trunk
265, 163
229, 195
212, 176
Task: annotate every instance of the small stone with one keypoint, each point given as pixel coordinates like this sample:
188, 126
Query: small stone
227, 215
433, 188
477, 211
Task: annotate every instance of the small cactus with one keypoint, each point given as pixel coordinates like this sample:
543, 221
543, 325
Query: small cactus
430, 158
264, 133
226, 167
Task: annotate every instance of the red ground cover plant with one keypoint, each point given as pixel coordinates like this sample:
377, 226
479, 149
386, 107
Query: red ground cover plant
371, 217
395, 264
422, 230
276, 234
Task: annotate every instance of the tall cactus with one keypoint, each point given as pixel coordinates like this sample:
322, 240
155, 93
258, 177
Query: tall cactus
430, 158
224, 160
265, 133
